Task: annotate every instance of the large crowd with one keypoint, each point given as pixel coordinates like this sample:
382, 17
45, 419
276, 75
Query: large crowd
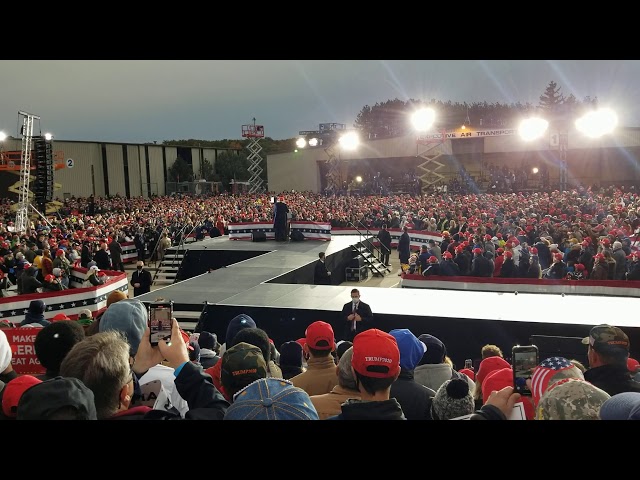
100, 368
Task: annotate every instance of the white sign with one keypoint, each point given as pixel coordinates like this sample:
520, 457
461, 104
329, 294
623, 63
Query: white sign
467, 133
70, 162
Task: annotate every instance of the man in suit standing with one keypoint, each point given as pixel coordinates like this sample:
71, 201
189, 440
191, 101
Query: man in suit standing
141, 280
116, 254
357, 316
404, 247
102, 257
385, 244
321, 275
280, 218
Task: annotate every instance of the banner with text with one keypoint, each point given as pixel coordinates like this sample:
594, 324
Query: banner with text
23, 353
432, 137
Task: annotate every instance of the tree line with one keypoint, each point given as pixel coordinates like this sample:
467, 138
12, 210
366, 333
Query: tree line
384, 119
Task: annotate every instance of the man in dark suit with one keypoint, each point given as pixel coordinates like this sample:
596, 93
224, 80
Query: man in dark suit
385, 244
357, 316
280, 219
116, 254
141, 280
102, 257
404, 247
321, 276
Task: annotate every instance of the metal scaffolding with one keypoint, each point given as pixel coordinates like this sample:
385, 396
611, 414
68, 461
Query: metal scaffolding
432, 149
22, 214
254, 133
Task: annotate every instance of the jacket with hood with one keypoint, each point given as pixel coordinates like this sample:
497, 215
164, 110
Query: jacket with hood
236, 324
433, 375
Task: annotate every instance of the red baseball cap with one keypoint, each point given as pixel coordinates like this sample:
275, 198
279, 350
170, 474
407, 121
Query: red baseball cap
320, 336
469, 373
478, 251
376, 354
632, 364
59, 317
447, 255
14, 390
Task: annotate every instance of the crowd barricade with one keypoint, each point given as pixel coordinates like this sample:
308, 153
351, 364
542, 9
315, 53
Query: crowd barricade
417, 238
70, 301
617, 288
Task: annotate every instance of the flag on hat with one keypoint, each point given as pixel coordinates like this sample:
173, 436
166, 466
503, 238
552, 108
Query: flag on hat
558, 367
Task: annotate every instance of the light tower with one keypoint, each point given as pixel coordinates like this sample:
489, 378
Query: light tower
430, 147
254, 133
22, 214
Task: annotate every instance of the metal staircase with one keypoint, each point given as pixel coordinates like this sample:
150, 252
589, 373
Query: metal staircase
369, 251
169, 267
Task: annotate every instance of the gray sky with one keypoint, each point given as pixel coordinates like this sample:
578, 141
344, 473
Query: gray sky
146, 100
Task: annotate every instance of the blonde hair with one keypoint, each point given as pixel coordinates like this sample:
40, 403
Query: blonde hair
490, 350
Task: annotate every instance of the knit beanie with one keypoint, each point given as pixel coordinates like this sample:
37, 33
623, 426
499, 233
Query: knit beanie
453, 399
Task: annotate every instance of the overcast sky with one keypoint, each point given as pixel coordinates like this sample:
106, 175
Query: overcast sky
146, 100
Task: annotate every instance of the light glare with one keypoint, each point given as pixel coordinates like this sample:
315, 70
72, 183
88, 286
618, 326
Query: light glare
422, 119
313, 142
532, 128
301, 143
349, 141
597, 123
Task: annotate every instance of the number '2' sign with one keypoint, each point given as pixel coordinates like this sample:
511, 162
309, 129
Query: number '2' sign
69, 162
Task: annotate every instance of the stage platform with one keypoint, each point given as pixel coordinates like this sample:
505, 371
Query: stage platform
274, 287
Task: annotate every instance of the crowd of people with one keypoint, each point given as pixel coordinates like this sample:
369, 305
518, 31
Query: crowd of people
108, 369
99, 368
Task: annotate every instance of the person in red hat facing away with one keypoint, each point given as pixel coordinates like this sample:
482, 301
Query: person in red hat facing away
321, 374
376, 364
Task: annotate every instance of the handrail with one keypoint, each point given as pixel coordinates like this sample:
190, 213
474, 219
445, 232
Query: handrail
371, 245
371, 234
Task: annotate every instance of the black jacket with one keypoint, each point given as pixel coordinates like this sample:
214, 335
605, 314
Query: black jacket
355, 409
364, 310
321, 274
145, 280
449, 268
404, 247
414, 398
385, 240
102, 259
613, 379
481, 267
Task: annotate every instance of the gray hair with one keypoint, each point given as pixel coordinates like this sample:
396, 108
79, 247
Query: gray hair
345, 374
101, 362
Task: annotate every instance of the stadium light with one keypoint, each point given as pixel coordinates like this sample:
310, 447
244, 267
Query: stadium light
423, 119
534, 170
532, 128
349, 141
359, 179
3, 136
313, 142
48, 136
597, 123
301, 143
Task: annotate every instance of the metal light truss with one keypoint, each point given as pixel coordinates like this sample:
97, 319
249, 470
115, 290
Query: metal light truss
255, 181
22, 214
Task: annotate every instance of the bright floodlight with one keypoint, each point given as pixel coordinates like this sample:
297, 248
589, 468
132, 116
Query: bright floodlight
301, 143
48, 136
358, 179
423, 119
3, 136
534, 170
597, 123
313, 142
532, 128
349, 141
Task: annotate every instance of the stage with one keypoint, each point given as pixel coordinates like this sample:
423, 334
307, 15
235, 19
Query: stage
271, 282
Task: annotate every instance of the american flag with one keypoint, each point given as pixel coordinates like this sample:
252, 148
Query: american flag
544, 372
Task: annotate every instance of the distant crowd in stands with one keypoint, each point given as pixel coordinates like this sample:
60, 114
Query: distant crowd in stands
574, 234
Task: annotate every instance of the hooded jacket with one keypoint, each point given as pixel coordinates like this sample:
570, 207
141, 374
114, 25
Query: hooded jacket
355, 409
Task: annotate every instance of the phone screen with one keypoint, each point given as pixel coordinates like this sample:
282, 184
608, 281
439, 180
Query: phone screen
525, 360
468, 363
160, 322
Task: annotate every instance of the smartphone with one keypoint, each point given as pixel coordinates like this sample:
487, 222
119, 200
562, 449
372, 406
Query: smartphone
160, 318
468, 363
524, 360
273, 199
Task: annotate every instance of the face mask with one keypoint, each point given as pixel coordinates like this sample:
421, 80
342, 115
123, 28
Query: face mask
355, 299
139, 268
